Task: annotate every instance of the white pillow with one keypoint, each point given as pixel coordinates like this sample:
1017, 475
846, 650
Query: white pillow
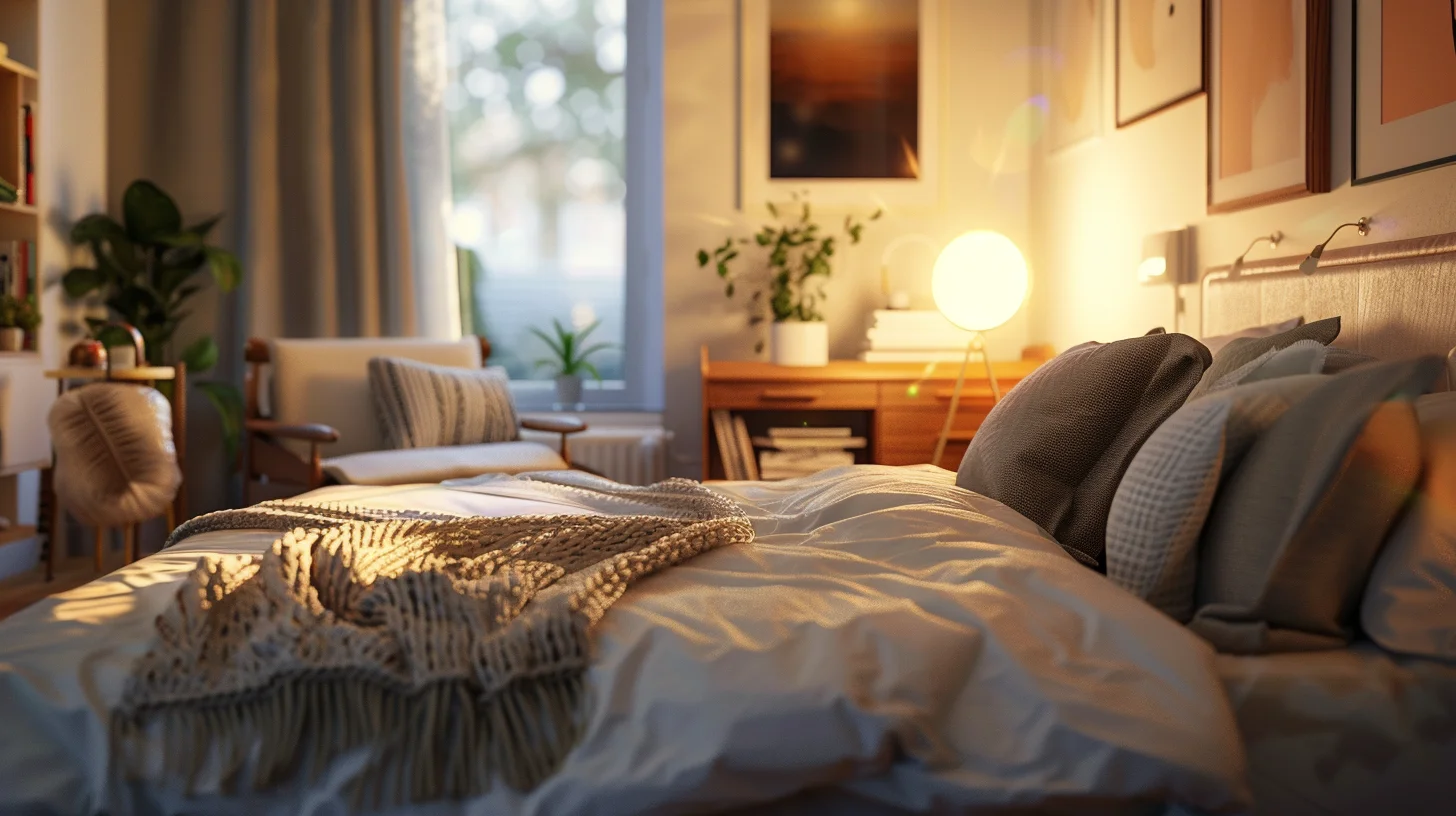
1410, 601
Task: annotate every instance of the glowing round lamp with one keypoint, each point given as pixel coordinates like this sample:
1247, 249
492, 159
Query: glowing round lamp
979, 280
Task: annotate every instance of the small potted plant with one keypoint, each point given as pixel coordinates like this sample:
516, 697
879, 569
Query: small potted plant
797, 267
18, 318
570, 357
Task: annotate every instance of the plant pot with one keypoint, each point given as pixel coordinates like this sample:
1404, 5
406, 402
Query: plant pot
568, 392
12, 339
800, 343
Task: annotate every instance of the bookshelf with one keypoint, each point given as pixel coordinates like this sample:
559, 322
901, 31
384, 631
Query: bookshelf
25, 396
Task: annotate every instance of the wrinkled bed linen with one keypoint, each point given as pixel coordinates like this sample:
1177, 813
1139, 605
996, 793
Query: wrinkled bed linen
889, 641
1347, 732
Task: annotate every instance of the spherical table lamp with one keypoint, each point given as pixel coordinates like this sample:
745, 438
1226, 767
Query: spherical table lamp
979, 282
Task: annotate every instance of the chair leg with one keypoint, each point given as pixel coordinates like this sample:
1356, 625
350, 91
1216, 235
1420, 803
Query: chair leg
100, 549
129, 542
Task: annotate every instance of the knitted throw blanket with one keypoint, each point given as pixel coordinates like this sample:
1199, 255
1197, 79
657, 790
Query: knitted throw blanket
449, 649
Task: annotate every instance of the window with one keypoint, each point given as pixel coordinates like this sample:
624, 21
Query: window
554, 110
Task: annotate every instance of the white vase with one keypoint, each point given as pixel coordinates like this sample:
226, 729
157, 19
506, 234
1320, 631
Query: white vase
800, 343
568, 392
12, 339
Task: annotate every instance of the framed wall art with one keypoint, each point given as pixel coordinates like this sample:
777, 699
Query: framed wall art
1158, 55
1405, 87
1268, 101
1073, 74
840, 100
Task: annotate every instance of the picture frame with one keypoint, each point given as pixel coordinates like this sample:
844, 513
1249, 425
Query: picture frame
1403, 115
1269, 113
1158, 56
757, 182
1072, 30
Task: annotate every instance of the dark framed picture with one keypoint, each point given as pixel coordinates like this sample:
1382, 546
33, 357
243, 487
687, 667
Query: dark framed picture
1072, 30
1268, 101
839, 100
1405, 87
1158, 55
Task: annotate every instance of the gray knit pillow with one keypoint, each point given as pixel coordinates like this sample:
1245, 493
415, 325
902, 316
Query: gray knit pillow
426, 406
1055, 448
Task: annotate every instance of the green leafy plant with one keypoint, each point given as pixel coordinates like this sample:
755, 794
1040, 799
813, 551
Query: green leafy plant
798, 262
146, 273
569, 352
18, 313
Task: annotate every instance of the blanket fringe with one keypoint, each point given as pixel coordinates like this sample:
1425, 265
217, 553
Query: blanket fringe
457, 742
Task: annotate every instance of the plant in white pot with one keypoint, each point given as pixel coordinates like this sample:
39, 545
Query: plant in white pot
18, 318
570, 357
797, 266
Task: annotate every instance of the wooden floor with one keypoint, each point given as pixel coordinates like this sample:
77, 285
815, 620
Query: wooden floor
19, 591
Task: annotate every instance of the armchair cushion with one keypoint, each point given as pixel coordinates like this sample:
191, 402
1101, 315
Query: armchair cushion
429, 465
327, 381
424, 406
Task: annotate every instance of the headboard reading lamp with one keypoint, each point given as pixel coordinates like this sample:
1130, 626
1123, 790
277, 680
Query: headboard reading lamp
1274, 238
1310, 263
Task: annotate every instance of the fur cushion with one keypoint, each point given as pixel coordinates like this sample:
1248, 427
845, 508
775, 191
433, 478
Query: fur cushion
115, 460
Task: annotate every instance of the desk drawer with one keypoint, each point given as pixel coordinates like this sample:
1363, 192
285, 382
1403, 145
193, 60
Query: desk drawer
790, 396
907, 436
935, 394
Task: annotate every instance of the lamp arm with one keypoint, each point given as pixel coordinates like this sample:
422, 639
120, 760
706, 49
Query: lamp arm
1362, 226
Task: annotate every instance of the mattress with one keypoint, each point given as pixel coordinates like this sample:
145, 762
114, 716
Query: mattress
1352, 731
889, 643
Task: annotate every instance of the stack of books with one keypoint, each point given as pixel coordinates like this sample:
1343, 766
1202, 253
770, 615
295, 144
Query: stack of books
913, 336
734, 447
791, 452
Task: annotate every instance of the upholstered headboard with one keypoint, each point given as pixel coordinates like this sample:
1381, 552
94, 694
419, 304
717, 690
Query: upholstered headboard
1394, 299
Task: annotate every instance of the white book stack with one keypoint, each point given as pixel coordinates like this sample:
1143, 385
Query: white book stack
791, 452
913, 336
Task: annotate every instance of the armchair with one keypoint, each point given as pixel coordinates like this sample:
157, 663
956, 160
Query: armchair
310, 420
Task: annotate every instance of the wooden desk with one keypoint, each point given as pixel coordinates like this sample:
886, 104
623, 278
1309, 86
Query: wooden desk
898, 407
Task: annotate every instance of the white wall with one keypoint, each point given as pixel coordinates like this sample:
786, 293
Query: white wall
1094, 202
985, 85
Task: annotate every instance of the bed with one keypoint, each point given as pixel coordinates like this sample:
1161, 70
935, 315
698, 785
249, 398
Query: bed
888, 643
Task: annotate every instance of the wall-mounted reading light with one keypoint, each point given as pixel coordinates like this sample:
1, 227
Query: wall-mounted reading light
1309, 264
1238, 265
1165, 258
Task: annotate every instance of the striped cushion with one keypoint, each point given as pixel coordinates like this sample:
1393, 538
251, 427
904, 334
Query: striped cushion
426, 406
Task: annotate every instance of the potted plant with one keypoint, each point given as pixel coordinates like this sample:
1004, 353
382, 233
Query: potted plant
570, 358
797, 266
18, 318
145, 272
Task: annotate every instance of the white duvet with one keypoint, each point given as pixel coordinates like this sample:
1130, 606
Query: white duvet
890, 643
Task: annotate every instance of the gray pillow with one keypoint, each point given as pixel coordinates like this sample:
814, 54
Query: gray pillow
1158, 513
427, 406
1247, 350
1295, 529
1216, 343
1055, 448
1410, 602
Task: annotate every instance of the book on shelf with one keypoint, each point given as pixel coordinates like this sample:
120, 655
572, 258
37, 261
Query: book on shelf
17, 268
811, 442
27, 151
727, 445
908, 341
788, 464
806, 432
745, 449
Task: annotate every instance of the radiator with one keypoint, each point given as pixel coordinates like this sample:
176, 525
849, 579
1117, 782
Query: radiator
636, 456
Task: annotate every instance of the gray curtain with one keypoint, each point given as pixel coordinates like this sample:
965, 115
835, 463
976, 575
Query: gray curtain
314, 126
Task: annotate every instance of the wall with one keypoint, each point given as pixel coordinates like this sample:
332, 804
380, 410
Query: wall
1094, 202
985, 86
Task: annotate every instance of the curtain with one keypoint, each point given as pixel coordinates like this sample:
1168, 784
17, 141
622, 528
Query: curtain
316, 128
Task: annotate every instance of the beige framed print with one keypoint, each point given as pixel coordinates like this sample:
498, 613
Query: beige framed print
1158, 55
1072, 30
840, 100
1405, 87
1268, 101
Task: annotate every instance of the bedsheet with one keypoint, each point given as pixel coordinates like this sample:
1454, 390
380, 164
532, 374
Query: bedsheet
889, 643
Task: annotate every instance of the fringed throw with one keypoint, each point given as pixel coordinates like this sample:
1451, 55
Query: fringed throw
453, 650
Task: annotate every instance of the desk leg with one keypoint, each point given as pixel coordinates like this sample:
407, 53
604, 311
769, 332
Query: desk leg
50, 504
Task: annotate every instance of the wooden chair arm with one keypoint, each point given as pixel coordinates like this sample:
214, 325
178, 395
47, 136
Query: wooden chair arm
312, 432
561, 425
